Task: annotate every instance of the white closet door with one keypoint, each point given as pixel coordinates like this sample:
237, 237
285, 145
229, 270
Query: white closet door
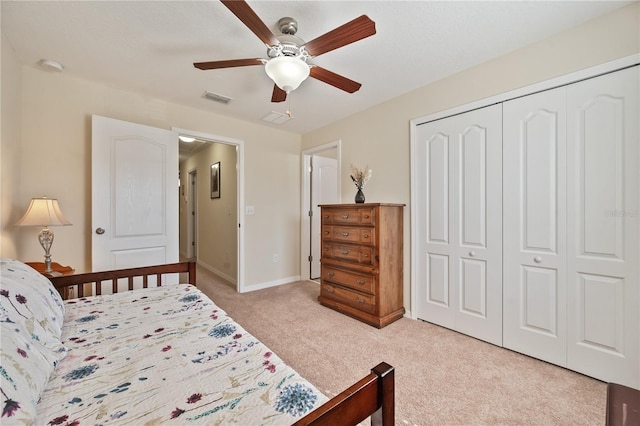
603, 233
459, 223
534, 244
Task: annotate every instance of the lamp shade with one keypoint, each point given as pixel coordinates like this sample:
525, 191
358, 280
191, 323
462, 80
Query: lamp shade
287, 72
43, 212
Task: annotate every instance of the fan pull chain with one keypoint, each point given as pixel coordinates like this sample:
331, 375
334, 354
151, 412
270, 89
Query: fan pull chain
289, 113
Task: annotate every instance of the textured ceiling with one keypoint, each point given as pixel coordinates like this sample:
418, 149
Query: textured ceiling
150, 46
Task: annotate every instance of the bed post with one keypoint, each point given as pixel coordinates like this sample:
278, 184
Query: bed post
385, 415
192, 272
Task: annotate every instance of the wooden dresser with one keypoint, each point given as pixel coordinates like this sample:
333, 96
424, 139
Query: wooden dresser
361, 261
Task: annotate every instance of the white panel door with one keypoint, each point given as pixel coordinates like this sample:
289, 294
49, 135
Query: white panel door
324, 190
459, 223
603, 233
134, 195
534, 243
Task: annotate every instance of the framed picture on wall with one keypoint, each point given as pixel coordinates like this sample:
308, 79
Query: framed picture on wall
215, 180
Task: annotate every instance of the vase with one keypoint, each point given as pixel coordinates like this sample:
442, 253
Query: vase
359, 196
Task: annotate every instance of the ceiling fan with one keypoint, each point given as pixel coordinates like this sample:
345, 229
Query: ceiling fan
288, 55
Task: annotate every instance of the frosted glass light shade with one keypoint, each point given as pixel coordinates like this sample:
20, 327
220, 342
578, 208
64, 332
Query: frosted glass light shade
287, 72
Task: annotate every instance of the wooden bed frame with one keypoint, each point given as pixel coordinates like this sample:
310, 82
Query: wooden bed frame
372, 396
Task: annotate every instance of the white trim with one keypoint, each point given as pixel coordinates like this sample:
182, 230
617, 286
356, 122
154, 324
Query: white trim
304, 216
239, 144
217, 272
275, 283
563, 80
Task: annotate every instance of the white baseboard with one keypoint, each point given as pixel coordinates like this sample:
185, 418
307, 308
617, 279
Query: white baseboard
275, 283
218, 272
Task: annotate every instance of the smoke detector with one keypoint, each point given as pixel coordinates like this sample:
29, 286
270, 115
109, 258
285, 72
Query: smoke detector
51, 65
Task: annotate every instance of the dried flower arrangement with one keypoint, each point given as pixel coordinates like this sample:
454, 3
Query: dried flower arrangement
360, 177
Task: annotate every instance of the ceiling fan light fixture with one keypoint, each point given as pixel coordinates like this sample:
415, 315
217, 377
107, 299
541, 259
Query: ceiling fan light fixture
287, 72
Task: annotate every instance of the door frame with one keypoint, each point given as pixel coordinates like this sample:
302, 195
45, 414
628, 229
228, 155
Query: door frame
239, 145
305, 221
192, 205
563, 80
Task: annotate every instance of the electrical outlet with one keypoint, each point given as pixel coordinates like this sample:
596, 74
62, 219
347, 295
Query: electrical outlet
276, 258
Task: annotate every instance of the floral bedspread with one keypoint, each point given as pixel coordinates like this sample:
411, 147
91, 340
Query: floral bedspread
167, 355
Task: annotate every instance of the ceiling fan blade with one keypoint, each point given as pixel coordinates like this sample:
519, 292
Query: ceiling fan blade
248, 17
227, 64
359, 28
336, 80
278, 95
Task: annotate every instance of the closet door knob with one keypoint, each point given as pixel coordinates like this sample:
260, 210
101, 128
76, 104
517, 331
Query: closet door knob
472, 253
537, 259
99, 231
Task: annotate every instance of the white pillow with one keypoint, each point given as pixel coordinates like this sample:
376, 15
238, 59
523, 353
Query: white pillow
24, 373
32, 295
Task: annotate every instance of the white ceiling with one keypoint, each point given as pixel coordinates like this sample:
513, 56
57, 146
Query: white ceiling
150, 46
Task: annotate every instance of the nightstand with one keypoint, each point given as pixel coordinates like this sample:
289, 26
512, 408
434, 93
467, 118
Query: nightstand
58, 269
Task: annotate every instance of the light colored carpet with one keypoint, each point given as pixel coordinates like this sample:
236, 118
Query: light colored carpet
442, 377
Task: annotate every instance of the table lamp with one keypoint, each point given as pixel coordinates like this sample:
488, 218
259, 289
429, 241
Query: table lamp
44, 212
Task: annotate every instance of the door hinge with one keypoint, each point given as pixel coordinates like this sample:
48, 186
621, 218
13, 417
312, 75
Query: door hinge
310, 212
310, 258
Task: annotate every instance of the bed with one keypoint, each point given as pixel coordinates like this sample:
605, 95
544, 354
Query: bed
156, 354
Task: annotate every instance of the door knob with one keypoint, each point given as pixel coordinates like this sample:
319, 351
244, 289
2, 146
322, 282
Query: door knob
472, 253
537, 259
99, 231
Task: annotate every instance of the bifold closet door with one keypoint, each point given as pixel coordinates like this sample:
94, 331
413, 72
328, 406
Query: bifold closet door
571, 232
534, 243
603, 233
459, 223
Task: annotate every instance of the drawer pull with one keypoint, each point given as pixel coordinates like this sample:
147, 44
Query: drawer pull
345, 216
365, 255
361, 301
345, 234
330, 290
366, 216
361, 282
331, 274
326, 232
366, 235
345, 252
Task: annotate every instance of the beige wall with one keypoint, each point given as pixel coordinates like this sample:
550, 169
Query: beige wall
217, 218
379, 136
55, 148
9, 150
46, 150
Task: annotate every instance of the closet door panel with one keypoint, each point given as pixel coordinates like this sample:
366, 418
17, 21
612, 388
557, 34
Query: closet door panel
534, 244
433, 230
476, 204
459, 225
604, 235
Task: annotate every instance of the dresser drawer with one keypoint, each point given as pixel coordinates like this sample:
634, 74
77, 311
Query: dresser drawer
348, 252
359, 282
349, 234
363, 302
360, 216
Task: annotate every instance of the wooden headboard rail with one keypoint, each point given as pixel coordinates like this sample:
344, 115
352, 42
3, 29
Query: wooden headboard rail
97, 278
373, 395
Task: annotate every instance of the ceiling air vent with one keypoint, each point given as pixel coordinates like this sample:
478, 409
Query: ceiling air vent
215, 97
276, 117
